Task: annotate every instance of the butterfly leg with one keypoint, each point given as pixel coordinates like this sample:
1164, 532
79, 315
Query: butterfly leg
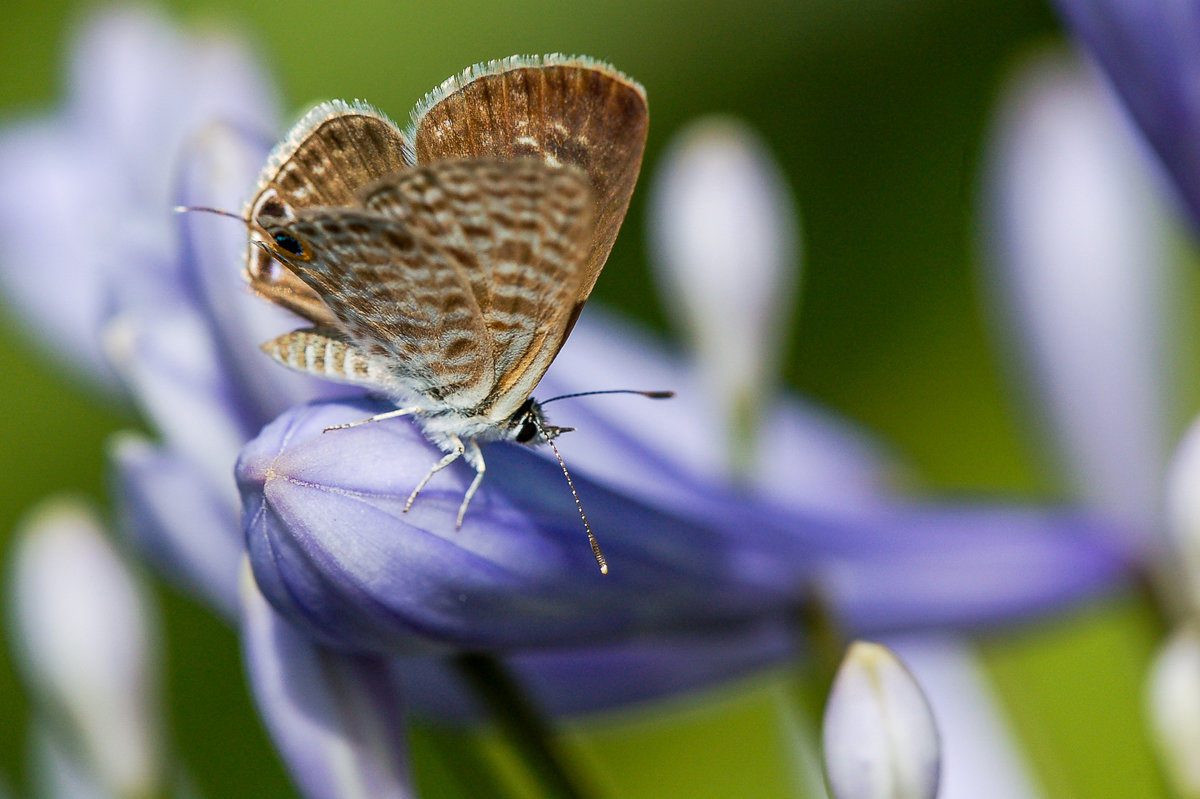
450, 458
379, 417
474, 457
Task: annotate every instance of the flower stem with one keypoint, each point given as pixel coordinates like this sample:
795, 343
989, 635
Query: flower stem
527, 732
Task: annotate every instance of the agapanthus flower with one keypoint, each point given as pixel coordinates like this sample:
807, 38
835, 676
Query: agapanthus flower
707, 578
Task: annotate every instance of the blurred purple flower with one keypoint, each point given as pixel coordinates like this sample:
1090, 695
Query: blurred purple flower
1150, 50
706, 579
102, 166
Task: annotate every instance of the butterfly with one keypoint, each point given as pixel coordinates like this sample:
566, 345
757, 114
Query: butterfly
445, 265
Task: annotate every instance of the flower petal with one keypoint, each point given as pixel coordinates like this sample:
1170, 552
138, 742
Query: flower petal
1173, 709
143, 89
1150, 50
49, 227
162, 349
725, 235
1080, 264
178, 521
336, 719
981, 758
947, 567
661, 450
594, 679
333, 549
94, 179
1183, 515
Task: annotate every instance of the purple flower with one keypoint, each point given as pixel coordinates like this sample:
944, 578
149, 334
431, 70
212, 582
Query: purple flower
333, 550
1150, 50
707, 577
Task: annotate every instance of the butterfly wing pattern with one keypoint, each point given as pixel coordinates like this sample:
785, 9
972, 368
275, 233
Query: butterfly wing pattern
445, 266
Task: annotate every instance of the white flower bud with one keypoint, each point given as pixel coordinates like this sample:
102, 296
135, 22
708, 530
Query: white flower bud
84, 643
1183, 511
1173, 708
724, 231
879, 736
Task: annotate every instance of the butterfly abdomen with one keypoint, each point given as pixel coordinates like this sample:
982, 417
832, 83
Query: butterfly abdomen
323, 353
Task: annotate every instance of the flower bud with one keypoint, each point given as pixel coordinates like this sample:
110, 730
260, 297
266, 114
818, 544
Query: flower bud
1173, 709
724, 232
879, 736
85, 642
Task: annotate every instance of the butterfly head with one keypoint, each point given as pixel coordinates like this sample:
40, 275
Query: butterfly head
528, 425
271, 237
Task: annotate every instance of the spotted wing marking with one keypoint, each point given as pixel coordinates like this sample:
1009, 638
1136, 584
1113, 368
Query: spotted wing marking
401, 299
519, 231
564, 110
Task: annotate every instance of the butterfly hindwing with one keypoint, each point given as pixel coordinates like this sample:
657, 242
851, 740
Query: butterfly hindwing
401, 298
520, 230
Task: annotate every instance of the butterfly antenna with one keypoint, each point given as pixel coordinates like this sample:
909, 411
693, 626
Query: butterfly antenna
183, 209
591, 537
650, 394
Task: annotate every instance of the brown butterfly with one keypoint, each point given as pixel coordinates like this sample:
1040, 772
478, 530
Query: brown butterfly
445, 265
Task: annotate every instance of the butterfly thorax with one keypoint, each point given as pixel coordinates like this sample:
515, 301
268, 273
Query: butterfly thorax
526, 426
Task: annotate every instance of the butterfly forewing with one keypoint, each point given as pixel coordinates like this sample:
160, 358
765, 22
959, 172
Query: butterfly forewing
565, 111
324, 161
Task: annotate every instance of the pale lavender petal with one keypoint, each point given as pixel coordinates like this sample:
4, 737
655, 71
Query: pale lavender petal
1079, 261
594, 679
1182, 492
55, 282
102, 169
332, 548
145, 90
965, 567
981, 758
1172, 703
1150, 50
878, 734
336, 719
179, 521
160, 344
334, 551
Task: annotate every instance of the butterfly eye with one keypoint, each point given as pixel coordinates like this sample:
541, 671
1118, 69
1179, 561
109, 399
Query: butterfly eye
290, 244
527, 432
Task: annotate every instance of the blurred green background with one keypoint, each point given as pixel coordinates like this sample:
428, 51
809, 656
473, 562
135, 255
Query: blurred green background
877, 111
